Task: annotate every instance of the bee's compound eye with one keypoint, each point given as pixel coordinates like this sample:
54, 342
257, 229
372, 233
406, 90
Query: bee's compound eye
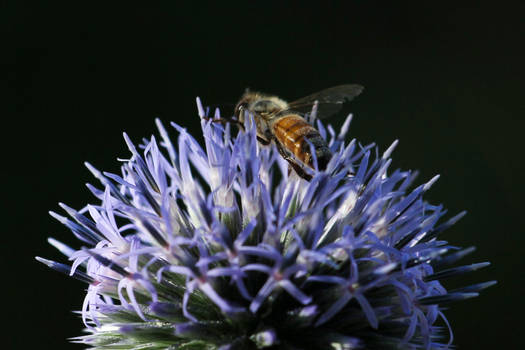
261, 106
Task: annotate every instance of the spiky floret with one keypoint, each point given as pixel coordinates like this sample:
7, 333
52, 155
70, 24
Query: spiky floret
222, 248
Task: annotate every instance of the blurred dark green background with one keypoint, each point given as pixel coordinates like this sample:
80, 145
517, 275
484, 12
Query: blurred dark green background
446, 78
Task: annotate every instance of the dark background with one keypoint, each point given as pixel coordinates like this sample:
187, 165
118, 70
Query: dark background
446, 78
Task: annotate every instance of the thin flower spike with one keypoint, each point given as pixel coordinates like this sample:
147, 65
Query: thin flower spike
220, 247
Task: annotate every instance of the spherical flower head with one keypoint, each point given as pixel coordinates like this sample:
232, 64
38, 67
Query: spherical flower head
224, 247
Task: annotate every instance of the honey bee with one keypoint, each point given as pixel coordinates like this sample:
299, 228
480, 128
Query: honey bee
284, 124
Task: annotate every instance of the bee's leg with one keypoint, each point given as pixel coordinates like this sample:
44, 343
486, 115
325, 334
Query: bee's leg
298, 169
263, 141
293, 163
216, 120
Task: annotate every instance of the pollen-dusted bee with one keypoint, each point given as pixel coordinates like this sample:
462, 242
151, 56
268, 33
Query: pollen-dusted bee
283, 123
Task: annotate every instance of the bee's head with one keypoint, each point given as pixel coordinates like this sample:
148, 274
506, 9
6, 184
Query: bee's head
244, 104
257, 104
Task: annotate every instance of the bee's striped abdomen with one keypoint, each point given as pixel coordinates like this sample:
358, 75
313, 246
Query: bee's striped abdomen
292, 131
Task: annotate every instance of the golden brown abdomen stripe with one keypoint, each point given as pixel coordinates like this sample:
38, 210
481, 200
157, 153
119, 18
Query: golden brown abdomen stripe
292, 131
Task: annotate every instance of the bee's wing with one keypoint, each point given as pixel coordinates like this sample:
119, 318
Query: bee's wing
330, 101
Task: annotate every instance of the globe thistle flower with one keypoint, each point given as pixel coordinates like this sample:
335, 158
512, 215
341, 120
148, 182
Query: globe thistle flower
222, 247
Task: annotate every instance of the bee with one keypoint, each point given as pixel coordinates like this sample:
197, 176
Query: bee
284, 124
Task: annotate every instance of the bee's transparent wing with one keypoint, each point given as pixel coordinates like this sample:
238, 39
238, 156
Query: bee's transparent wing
330, 101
